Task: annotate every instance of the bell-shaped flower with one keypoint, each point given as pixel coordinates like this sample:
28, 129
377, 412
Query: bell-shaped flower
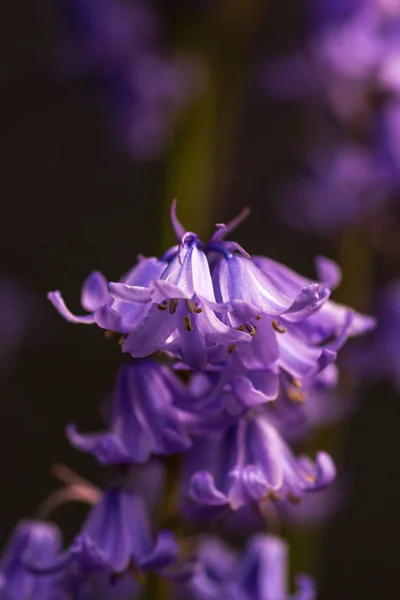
37, 543
143, 419
250, 461
253, 292
182, 314
303, 347
116, 539
260, 573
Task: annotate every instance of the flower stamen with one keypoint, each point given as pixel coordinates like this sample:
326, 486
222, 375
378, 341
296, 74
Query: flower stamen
188, 323
277, 327
292, 498
173, 305
163, 305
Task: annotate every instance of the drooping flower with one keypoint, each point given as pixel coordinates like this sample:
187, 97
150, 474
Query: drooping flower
342, 185
378, 358
143, 419
116, 539
33, 542
181, 317
259, 574
248, 462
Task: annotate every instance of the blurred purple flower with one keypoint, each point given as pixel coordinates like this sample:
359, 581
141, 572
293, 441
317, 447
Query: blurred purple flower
143, 419
36, 543
116, 45
248, 462
378, 357
344, 185
115, 539
259, 574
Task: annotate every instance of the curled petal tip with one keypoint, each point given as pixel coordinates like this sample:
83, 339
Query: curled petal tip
176, 224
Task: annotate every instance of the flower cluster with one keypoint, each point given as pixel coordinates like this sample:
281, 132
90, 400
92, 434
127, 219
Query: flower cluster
230, 357
347, 73
116, 46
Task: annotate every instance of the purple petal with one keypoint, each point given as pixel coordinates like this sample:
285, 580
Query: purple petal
95, 292
87, 552
203, 491
151, 333
246, 485
306, 588
223, 230
108, 318
57, 300
325, 471
106, 447
129, 293
328, 272
309, 300
165, 553
176, 224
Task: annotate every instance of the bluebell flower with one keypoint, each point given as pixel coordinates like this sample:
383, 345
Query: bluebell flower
250, 461
182, 314
343, 184
32, 543
143, 419
116, 539
142, 89
284, 355
378, 357
259, 574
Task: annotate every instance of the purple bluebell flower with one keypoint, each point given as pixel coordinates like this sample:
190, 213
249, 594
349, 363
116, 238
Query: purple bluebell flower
248, 462
284, 354
116, 45
259, 574
116, 539
37, 543
182, 306
379, 356
343, 185
143, 419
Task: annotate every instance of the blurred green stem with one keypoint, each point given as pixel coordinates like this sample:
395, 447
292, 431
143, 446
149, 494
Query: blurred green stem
198, 165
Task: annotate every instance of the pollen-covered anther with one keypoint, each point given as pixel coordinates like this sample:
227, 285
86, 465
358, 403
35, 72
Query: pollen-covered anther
187, 323
258, 317
309, 478
136, 574
231, 348
251, 329
163, 305
273, 495
296, 396
277, 327
193, 307
292, 498
111, 335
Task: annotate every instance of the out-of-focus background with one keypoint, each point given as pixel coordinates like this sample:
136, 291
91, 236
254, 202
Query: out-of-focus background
111, 108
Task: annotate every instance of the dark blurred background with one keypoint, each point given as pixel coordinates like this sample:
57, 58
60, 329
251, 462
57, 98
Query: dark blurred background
72, 202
